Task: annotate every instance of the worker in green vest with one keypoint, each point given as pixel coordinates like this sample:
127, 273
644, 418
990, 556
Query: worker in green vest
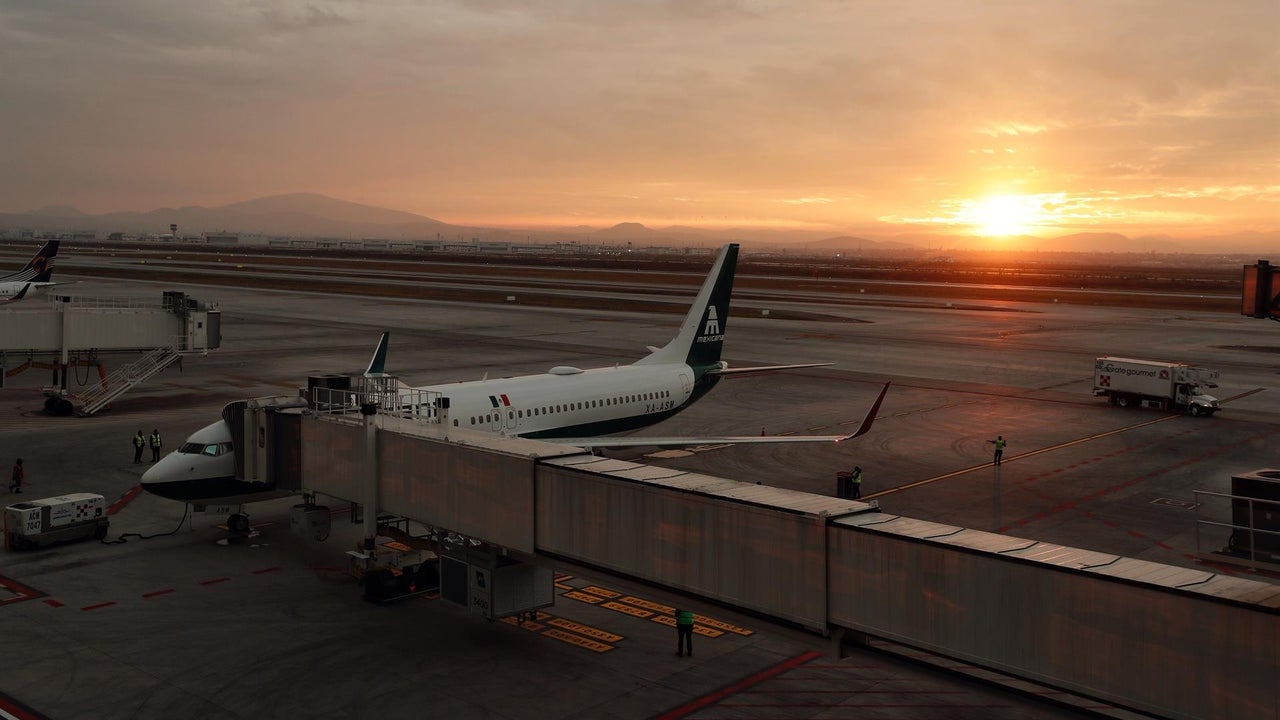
139, 442
855, 483
155, 445
684, 632
999, 442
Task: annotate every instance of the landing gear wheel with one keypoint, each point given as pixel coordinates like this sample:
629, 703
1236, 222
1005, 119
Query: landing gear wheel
238, 523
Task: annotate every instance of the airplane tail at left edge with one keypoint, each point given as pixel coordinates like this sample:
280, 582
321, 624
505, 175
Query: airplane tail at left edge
21, 293
701, 336
378, 363
39, 268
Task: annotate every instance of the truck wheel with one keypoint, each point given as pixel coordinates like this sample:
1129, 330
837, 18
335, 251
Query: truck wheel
100, 532
1195, 410
1122, 401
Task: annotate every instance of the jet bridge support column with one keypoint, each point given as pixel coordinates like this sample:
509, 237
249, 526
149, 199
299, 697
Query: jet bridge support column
369, 411
61, 384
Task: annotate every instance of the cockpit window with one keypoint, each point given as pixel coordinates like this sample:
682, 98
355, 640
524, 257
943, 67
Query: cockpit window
209, 449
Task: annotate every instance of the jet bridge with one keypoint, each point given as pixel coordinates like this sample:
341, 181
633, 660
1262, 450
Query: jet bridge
72, 332
1169, 641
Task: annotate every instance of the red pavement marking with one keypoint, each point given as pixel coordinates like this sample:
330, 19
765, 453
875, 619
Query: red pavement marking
824, 666
118, 505
214, 581
10, 708
266, 570
20, 592
52, 603
157, 593
715, 697
861, 705
846, 691
99, 605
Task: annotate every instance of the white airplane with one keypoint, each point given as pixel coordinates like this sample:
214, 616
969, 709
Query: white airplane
580, 407
567, 404
34, 276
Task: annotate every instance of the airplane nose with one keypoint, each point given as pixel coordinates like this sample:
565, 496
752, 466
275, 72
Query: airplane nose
160, 472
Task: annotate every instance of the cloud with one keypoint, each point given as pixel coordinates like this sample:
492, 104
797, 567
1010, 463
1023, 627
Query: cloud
504, 108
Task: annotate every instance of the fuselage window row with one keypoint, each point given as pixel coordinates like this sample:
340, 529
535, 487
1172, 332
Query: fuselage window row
553, 409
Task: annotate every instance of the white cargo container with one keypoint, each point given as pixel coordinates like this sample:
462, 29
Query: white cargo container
36, 523
1154, 383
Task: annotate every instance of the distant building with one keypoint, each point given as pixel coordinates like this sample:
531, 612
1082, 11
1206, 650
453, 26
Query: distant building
222, 238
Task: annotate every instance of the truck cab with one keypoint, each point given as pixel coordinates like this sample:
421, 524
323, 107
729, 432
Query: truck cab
1194, 398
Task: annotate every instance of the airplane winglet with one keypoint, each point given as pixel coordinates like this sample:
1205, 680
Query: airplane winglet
22, 292
377, 364
871, 416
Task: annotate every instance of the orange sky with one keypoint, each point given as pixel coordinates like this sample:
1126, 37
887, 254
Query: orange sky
996, 117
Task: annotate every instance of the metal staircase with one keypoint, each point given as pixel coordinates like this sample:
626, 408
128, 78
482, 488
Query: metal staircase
126, 377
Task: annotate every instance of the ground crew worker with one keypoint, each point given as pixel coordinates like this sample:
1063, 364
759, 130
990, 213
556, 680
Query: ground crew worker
999, 443
15, 482
155, 444
855, 483
684, 632
139, 442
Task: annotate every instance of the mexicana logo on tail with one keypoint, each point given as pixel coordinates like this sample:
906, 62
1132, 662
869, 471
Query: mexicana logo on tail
711, 330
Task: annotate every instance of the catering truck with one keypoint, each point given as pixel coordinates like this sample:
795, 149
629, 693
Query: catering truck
36, 523
1154, 383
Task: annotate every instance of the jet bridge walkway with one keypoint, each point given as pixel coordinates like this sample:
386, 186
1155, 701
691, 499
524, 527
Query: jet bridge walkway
73, 332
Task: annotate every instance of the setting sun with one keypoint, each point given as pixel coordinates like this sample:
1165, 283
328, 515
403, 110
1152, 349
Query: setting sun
1005, 215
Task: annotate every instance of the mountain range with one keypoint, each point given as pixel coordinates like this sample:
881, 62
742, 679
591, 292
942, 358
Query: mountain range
314, 215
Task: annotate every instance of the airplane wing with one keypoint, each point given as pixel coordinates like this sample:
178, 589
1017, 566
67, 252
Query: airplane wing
20, 294
638, 441
763, 369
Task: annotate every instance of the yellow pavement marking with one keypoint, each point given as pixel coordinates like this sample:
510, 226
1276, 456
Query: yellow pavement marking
397, 546
562, 586
633, 611
595, 633
722, 625
668, 610
578, 640
583, 597
563, 578
527, 624
697, 629
602, 592
1051, 448
647, 604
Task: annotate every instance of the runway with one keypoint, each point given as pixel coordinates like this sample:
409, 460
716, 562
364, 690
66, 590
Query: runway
178, 626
